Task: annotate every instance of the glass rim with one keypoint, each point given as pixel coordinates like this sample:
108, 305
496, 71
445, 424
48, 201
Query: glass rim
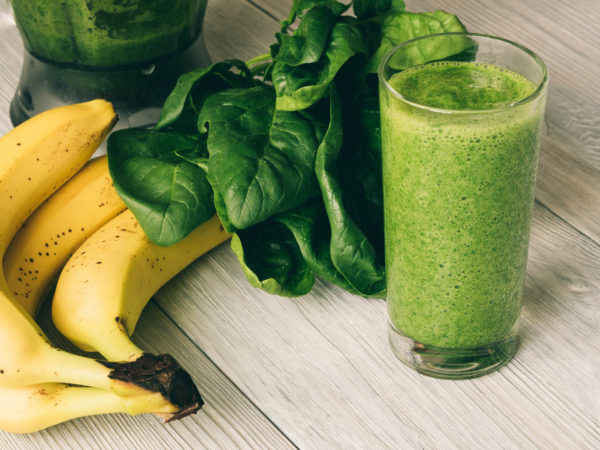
534, 95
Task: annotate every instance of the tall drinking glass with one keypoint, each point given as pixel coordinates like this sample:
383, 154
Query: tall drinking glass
128, 52
461, 121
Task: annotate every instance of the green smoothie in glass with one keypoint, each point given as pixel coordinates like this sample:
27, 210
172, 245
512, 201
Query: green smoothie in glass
460, 144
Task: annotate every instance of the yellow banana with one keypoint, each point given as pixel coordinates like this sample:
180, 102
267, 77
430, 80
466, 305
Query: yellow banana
42, 153
105, 285
35, 159
56, 228
32, 408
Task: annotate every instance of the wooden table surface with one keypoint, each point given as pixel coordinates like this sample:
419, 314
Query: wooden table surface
317, 372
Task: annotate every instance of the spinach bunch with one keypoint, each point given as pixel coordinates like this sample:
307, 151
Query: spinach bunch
285, 148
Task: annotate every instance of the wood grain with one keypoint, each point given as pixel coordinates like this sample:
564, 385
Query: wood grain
11, 51
237, 29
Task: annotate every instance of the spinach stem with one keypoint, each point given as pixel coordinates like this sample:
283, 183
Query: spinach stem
259, 69
258, 60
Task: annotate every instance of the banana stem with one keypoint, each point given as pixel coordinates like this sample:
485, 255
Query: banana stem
259, 65
151, 403
85, 401
33, 408
119, 348
69, 368
258, 60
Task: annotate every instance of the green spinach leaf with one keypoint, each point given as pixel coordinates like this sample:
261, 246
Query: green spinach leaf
310, 226
271, 260
351, 252
183, 104
360, 166
363, 9
331, 243
299, 87
283, 254
394, 29
299, 8
168, 195
308, 42
261, 160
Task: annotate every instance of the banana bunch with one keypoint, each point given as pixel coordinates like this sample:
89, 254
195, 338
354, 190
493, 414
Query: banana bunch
41, 385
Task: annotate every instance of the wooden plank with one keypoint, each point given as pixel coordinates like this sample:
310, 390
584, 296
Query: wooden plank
228, 419
278, 9
569, 184
237, 29
321, 368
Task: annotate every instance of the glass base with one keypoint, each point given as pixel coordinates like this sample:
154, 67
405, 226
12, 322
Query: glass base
137, 92
453, 364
